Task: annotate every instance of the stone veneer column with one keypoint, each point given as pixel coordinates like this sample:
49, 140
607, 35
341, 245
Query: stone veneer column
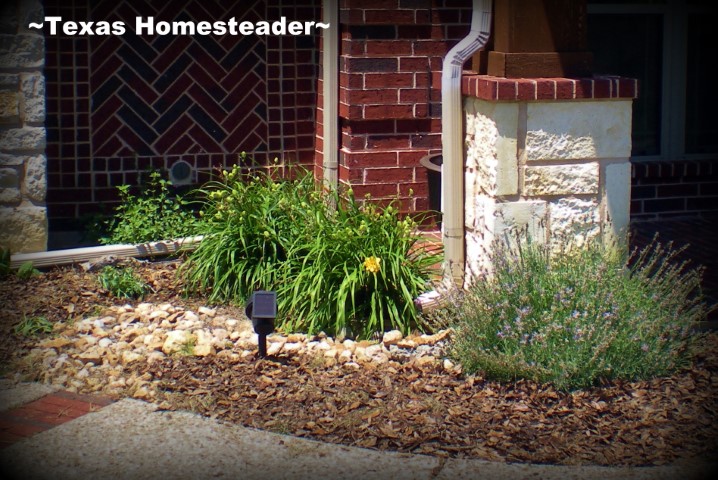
23, 218
547, 155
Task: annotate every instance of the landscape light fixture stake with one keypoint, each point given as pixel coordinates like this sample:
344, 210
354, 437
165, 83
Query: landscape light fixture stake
262, 310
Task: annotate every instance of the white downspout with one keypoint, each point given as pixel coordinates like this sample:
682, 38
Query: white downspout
452, 132
330, 79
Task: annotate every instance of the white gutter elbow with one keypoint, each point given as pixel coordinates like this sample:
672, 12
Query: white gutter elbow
452, 133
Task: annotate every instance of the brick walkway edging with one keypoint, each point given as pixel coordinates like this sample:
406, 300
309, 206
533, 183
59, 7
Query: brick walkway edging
45, 413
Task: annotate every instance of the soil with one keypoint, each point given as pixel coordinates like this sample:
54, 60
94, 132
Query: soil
406, 406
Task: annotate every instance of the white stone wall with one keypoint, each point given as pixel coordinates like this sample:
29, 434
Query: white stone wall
559, 169
23, 178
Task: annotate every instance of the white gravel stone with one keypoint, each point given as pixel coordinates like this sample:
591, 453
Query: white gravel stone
392, 337
345, 356
204, 350
275, 348
292, 347
155, 356
158, 314
93, 353
372, 350
176, 340
204, 337
130, 356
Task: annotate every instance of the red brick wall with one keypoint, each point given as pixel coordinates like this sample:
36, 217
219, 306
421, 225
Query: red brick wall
674, 189
389, 91
119, 105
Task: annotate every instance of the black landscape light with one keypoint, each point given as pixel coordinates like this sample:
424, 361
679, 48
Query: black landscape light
262, 310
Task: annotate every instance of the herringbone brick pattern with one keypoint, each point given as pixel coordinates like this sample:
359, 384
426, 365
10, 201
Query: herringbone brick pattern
120, 105
163, 95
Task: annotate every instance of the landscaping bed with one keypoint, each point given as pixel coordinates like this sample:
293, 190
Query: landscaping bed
401, 394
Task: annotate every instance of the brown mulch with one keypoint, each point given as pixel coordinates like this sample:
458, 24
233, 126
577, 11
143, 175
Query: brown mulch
71, 293
408, 407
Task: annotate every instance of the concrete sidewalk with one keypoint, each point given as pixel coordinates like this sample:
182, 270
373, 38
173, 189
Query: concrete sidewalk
131, 439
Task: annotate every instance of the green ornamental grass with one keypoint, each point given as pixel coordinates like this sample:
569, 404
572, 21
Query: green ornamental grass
32, 327
581, 317
337, 265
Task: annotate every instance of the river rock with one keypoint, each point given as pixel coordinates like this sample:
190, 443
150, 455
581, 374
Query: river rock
176, 341
203, 350
392, 337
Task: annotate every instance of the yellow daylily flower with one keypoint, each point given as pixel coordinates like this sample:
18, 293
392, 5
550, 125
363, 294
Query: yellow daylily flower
372, 264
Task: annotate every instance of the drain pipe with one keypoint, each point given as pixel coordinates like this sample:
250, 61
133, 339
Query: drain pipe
330, 106
452, 132
53, 258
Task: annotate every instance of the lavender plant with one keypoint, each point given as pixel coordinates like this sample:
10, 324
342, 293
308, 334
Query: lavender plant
581, 317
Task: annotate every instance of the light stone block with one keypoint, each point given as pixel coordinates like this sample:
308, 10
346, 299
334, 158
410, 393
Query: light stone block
22, 50
578, 130
23, 230
579, 179
477, 255
35, 182
33, 92
491, 145
483, 208
9, 186
574, 221
617, 201
11, 160
512, 218
10, 196
9, 107
23, 139
481, 136
9, 178
9, 81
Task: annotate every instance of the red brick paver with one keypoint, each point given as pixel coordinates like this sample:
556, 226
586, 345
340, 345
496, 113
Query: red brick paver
46, 413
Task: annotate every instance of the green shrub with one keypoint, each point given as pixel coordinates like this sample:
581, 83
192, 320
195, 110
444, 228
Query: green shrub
33, 326
27, 270
357, 271
248, 226
152, 215
122, 282
336, 266
580, 317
